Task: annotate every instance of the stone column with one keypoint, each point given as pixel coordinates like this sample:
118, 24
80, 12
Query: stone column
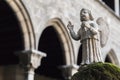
116, 3
68, 71
30, 60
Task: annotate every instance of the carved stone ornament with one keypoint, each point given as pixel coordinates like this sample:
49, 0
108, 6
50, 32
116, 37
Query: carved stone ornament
93, 35
30, 60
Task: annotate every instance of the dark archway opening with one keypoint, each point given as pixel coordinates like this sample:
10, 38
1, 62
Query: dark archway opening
11, 39
108, 59
51, 44
79, 58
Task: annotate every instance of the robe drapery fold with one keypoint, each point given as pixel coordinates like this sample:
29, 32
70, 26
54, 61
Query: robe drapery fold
90, 40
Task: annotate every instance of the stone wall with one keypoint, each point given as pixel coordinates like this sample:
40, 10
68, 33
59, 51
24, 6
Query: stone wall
41, 11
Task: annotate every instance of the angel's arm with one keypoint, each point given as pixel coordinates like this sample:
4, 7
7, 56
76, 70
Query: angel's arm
74, 35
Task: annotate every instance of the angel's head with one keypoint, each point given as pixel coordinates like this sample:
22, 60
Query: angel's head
85, 15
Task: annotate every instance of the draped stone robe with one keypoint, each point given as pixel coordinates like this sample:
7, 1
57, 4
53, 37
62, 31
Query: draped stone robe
90, 40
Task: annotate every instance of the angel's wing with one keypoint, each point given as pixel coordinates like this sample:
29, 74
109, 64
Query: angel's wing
104, 31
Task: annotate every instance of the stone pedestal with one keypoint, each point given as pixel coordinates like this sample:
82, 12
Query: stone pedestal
30, 60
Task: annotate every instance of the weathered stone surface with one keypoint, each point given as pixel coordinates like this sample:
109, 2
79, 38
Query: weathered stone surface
41, 11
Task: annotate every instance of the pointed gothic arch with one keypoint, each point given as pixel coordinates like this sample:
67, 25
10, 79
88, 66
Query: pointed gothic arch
25, 23
16, 30
64, 37
56, 43
112, 58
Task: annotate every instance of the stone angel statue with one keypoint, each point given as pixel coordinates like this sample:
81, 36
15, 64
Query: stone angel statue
93, 35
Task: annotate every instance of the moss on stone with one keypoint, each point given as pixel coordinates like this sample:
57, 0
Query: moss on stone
97, 71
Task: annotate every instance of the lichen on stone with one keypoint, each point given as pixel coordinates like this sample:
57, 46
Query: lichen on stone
97, 71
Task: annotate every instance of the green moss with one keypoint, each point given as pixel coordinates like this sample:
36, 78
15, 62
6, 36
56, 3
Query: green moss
97, 71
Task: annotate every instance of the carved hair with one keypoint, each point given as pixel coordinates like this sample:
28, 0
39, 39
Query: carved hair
89, 12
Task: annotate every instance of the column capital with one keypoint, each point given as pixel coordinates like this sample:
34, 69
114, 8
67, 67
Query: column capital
68, 70
31, 58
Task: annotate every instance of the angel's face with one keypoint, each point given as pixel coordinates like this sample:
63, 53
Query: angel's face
85, 15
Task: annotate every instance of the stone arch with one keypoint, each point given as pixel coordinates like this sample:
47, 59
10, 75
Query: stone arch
111, 57
58, 25
56, 43
25, 23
